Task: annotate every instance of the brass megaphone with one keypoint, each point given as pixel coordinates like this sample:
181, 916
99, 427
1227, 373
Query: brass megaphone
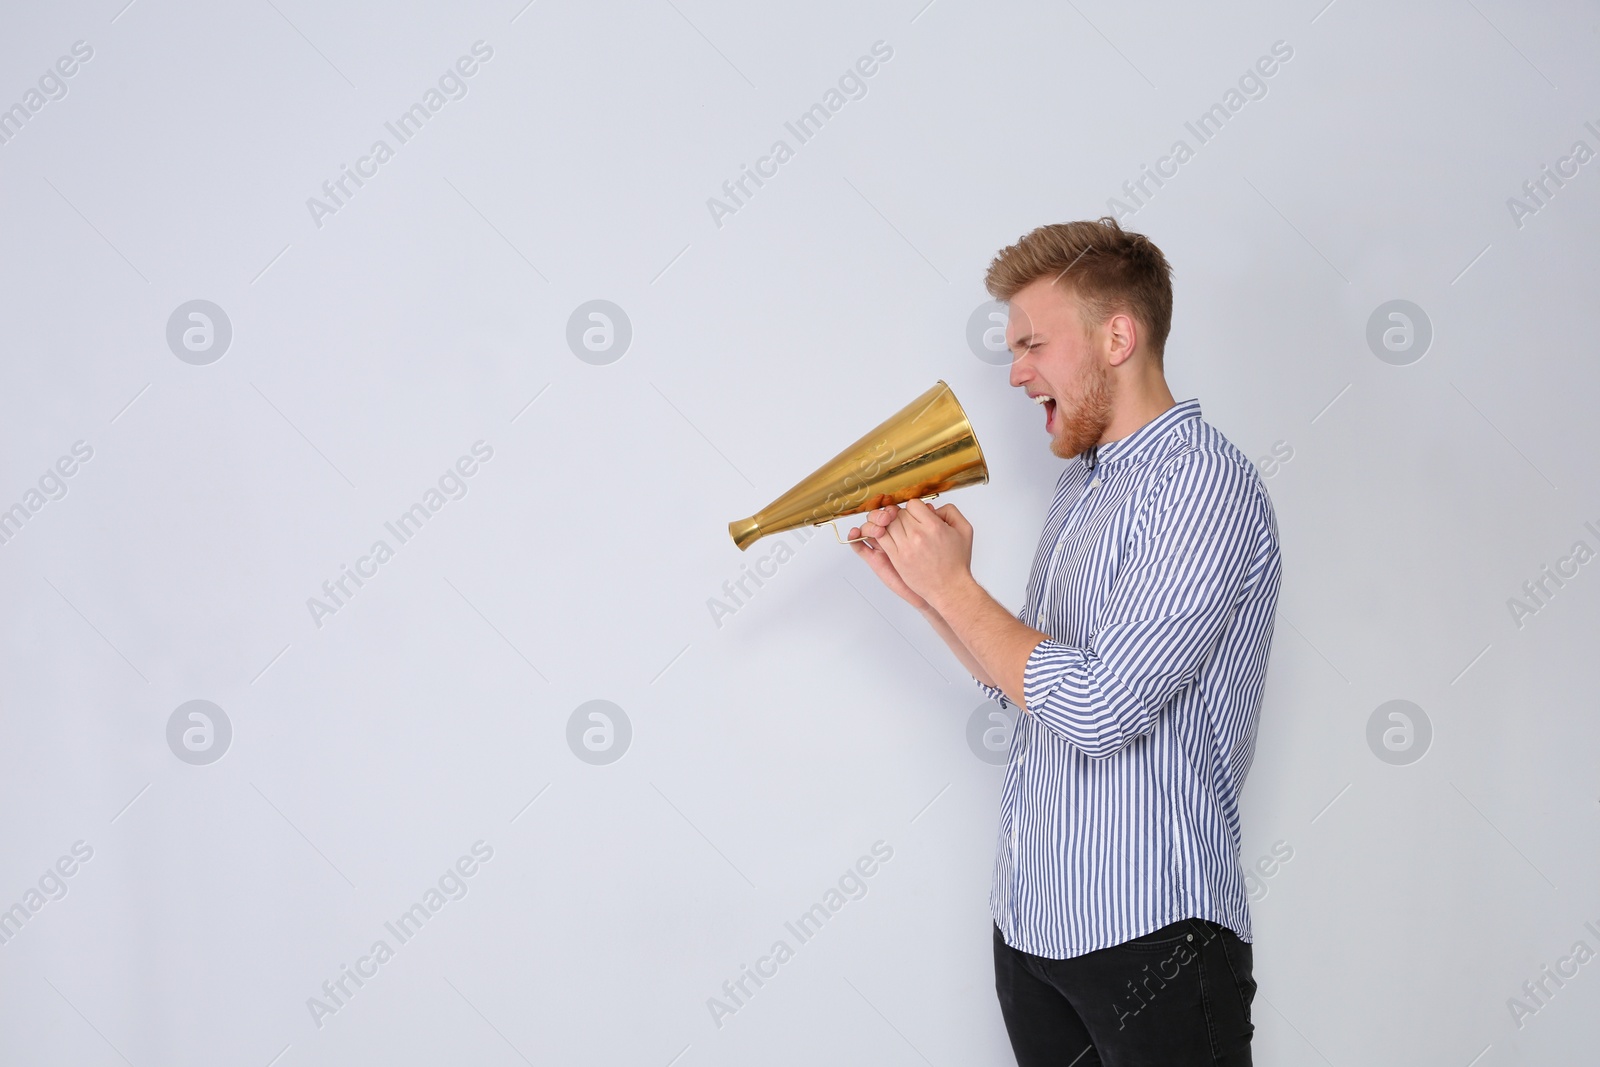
922, 450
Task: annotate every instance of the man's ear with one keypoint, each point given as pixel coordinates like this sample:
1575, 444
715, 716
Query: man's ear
1122, 334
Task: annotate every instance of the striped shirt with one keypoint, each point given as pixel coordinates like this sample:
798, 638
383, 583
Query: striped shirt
1157, 579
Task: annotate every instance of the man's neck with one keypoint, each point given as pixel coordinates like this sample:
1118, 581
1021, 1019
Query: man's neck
1137, 404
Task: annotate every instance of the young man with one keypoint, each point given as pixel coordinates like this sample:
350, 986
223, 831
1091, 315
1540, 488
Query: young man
1122, 930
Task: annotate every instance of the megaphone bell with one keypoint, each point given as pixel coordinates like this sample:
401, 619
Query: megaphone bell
924, 449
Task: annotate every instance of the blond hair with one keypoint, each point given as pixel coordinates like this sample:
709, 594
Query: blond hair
1107, 268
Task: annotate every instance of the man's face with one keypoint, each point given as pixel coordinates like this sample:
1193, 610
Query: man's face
1060, 365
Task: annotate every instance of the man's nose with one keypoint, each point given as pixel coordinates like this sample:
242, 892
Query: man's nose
1019, 373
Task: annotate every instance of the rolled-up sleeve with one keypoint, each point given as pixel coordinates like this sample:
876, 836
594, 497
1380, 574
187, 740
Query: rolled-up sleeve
1188, 558
994, 693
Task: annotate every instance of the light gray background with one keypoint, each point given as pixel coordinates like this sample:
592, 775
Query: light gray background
769, 752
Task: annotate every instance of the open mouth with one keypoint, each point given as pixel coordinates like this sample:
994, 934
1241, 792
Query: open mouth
1049, 405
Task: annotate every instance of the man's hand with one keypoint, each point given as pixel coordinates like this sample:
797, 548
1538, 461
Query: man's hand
918, 551
924, 556
878, 559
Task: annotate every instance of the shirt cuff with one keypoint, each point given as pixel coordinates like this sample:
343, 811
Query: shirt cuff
993, 692
1069, 696
1044, 668
1056, 671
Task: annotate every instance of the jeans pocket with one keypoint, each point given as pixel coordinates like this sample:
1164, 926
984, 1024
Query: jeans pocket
1241, 962
1163, 939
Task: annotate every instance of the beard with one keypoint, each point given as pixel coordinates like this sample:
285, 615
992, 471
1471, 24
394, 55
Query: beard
1085, 423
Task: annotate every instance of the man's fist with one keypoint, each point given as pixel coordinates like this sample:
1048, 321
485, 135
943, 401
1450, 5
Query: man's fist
917, 550
872, 529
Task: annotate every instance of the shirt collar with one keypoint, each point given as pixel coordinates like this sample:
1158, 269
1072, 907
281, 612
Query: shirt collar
1140, 440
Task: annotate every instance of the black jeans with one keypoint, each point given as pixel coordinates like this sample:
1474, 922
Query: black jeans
1177, 996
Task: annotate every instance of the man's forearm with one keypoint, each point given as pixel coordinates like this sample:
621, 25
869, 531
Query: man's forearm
961, 651
987, 638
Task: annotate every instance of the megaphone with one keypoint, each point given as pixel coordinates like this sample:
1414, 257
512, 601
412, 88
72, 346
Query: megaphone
924, 449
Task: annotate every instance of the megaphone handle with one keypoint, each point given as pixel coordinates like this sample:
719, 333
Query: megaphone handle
856, 540
843, 541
